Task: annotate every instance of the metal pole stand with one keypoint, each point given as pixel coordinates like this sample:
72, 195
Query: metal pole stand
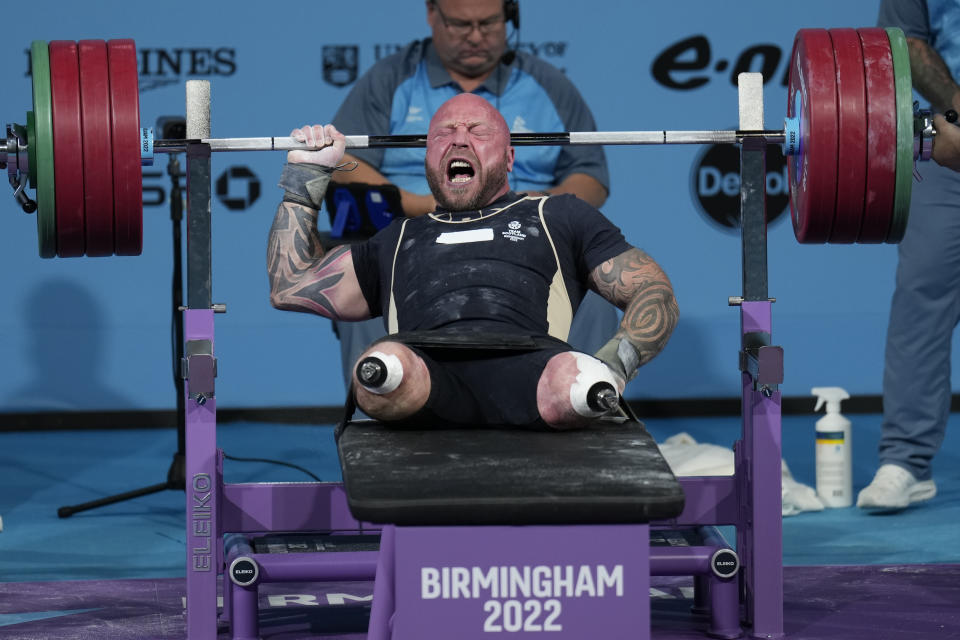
758, 453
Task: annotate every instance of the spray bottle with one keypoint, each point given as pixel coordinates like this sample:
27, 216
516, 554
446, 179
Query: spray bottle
834, 452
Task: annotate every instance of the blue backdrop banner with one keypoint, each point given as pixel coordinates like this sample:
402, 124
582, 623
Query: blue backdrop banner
95, 333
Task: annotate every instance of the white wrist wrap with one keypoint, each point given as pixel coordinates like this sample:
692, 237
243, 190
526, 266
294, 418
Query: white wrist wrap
621, 356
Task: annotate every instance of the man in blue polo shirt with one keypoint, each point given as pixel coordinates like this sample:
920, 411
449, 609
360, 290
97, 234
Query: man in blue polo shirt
925, 308
468, 52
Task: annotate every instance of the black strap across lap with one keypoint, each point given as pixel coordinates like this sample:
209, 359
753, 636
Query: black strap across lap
612, 473
477, 340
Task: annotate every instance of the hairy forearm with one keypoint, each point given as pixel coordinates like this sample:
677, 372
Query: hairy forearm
931, 77
301, 275
363, 172
637, 285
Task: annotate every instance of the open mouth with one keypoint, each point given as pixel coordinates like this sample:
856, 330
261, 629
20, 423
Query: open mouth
460, 172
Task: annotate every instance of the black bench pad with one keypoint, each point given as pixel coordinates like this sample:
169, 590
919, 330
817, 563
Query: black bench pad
485, 476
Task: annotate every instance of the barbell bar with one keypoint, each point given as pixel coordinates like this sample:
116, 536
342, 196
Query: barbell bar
851, 134
562, 138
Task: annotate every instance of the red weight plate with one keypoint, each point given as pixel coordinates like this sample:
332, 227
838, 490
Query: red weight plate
813, 172
852, 133
125, 124
97, 147
67, 138
881, 134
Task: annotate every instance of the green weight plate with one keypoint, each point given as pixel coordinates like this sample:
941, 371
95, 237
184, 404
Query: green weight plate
31, 144
904, 88
43, 150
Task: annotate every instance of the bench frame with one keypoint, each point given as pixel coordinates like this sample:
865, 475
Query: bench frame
750, 500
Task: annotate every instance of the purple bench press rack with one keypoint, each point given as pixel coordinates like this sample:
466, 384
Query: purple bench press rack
214, 508
750, 499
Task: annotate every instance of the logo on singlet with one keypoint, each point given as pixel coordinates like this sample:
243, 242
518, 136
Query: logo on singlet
513, 233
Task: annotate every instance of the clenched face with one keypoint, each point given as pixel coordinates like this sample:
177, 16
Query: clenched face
468, 154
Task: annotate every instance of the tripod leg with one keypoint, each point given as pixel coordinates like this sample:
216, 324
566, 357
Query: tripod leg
66, 512
175, 480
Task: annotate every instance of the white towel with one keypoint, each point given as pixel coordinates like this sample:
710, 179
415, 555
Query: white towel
686, 457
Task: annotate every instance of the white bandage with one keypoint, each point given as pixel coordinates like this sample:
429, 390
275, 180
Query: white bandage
394, 373
591, 371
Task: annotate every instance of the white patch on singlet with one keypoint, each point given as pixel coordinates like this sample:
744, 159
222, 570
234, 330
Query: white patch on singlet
591, 371
463, 237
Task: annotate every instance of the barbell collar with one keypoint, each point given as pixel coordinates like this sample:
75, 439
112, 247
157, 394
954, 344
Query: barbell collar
924, 133
13, 149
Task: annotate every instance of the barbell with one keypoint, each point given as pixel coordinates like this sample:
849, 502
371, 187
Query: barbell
851, 134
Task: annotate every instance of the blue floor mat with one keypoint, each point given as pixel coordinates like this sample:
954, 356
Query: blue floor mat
924, 533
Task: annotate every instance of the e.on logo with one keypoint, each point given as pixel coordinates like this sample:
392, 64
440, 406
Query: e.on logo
689, 63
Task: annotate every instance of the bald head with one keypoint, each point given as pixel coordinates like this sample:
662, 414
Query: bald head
468, 153
472, 107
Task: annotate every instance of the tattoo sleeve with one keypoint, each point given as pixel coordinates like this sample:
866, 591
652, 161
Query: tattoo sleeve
302, 277
638, 286
931, 77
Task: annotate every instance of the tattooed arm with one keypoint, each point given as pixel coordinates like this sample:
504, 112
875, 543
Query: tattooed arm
302, 277
637, 285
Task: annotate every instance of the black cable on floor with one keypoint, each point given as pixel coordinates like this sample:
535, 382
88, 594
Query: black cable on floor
279, 462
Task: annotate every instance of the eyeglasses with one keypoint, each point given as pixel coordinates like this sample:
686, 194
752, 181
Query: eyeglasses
463, 28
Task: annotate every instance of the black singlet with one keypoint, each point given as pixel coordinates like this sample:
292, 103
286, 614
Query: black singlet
517, 266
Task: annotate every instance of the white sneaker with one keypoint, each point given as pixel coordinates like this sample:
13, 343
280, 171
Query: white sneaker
894, 488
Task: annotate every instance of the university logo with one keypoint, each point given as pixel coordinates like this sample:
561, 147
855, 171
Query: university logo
340, 63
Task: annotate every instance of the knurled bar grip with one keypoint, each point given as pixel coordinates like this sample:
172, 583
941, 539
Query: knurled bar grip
286, 143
